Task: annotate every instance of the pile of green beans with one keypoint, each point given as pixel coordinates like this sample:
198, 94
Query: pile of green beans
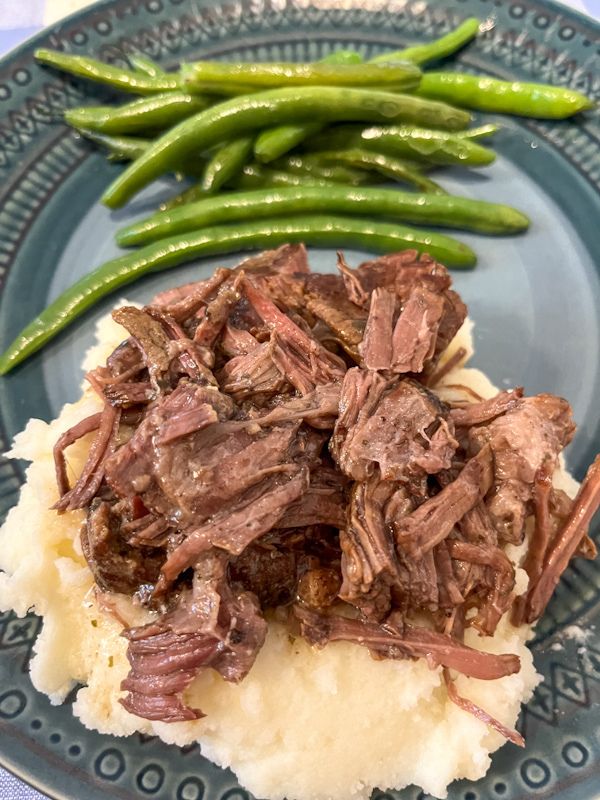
287, 152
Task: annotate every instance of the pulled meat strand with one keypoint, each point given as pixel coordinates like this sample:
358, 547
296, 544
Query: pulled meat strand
183, 302
366, 542
213, 626
376, 345
69, 437
354, 289
406, 641
540, 538
479, 713
92, 475
451, 363
566, 542
302, 359
486, 410
414, 340
216, 313
434, 520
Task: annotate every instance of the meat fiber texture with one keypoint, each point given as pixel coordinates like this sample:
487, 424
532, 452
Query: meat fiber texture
306, 724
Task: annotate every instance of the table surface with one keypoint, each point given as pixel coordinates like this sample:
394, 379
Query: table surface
20, 19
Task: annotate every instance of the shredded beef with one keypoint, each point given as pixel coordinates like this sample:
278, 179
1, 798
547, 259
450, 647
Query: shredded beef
565, 543
376, 345
213, 625
406, 641
434, 519
366, 541
101, 449
271, 437
116, 565
396, 424
521, 439
486, 410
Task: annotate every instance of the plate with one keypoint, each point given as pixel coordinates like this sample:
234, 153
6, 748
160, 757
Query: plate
535, 301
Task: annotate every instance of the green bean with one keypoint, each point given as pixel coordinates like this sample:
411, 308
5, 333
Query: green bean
419, 144
342, 57
97, 71
255, 176
189, 195
146, 66
128, 148
155, 112
481, 132
275, 142
324, 231
200, 76
446, 211
433, 51
225, 120
120, 148
226, 163
386, 165
504, 97
309, 164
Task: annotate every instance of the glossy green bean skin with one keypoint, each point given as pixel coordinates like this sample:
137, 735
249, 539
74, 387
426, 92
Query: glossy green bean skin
200, 76
504, 97
417, 209
480, 132
325, 231
146, 66
256, 176
189, 195
342, 57
252, 176
275, 142
120, 148
418, 144
311, 164
433, 51
386, 165
226, 163
225, 120
156, 112
128, 148
93, 70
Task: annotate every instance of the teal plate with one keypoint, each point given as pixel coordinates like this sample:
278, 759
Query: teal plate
535, 300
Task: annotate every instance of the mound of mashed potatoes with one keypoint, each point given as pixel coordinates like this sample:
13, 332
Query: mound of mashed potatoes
305, 724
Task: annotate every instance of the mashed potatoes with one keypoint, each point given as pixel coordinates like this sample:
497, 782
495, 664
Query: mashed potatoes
305, 724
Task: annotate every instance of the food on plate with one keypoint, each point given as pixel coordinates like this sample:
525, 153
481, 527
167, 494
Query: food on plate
223, 77
290, 525
262, 109
325, 230
157, 111
442, 210
186, 127
319, 164
416, 144
483, 93
136, 81
293, 113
